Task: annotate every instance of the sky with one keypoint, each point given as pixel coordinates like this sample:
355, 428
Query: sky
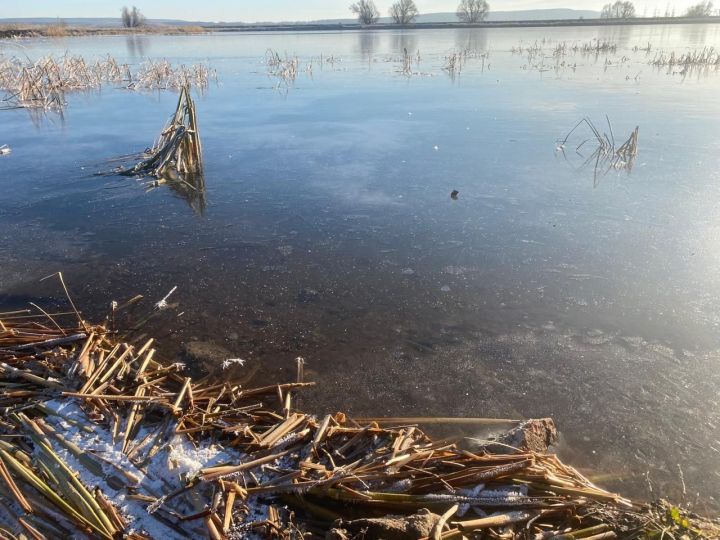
280, 10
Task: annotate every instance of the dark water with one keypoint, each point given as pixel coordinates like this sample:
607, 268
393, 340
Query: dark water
329, 231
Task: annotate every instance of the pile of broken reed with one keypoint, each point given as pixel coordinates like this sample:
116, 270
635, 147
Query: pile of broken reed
44, 83
275, 472
177, 153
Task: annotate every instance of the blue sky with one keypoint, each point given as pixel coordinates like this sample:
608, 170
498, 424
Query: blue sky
274, 10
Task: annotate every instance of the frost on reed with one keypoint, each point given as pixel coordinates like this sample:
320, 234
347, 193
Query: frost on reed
101, 438
545, 55
161, 75
285, 69
564, 48
44, 83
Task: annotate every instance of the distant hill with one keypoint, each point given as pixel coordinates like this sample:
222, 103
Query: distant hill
524, 15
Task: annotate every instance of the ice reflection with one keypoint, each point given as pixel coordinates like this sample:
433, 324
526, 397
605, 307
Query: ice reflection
138, 46
191, 188
367, 44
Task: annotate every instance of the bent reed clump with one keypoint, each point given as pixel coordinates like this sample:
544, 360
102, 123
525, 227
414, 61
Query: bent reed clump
99, 436
177, 153
43, 84
605, 155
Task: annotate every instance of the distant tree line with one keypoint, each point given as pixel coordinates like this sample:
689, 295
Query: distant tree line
702, 9
132, 18
366, 11
405, 11
473, 11
620, 9
623, 9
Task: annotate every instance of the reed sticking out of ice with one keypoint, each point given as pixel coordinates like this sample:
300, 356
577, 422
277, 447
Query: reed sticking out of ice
605, 155
286, 69
705, 59
177, 154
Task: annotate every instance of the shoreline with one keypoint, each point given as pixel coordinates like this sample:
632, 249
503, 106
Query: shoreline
140, 449
550, 23
10, 31
14, 31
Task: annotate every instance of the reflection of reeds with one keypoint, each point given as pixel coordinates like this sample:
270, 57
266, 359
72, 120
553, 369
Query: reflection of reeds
605, 155
191, 187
